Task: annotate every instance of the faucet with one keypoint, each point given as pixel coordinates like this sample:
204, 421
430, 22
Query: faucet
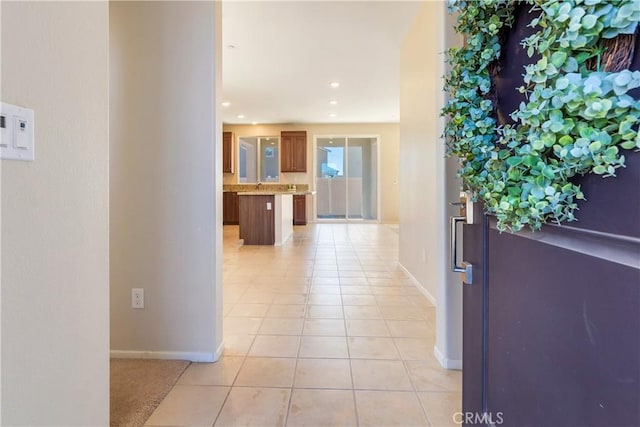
258, 185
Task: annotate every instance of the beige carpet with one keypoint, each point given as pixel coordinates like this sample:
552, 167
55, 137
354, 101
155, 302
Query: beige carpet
138, 386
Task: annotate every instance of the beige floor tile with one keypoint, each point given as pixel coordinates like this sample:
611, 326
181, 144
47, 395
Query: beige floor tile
379, 375
309, 408
257, 298
189, 405
362, 312
293, 298
356, 300
237, 345
324, 281
249, 310
325, 290
411, 328
323, 373
394, 312
222, 372
428, 375
277, 326
249, 406
383, 408
356, 290
354, 281
275, 346
367, 328
324, 312
397, 300
415, 348
241, 325
441, 407
372, 348
328, 347
266, 372
286, 310
325, 299
324, 327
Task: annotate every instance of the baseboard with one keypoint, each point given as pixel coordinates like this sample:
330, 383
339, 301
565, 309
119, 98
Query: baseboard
446, 363
219, 351
418, 285
167, 355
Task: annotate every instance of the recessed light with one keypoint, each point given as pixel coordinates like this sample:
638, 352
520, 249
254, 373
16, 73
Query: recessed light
240, 116
332, 114
334, 84
226, 104
333, 102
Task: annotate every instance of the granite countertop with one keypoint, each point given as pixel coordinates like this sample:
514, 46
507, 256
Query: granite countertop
273, 193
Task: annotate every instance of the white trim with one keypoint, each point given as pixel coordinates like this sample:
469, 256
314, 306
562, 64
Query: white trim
168, 355
446, 363
418, 285
219, 351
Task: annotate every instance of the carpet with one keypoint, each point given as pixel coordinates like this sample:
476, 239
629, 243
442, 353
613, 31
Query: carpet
138, 386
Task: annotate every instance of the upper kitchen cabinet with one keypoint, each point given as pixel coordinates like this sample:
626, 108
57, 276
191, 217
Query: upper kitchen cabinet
293, 151
228, 157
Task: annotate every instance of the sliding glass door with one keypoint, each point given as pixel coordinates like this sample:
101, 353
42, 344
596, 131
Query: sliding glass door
347, 178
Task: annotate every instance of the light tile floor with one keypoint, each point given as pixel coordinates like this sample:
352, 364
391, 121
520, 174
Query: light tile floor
324, 331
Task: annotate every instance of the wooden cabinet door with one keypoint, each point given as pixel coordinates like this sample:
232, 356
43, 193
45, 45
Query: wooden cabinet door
299, 210
299, 153
228, 157
286, 148
230, 208
293, 149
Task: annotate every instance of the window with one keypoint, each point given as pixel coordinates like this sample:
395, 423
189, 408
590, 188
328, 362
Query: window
259, 159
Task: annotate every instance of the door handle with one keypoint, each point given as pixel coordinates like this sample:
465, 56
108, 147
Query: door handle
466, 268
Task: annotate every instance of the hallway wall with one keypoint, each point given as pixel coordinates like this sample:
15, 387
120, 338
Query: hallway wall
55, 248
424, 240
165, 200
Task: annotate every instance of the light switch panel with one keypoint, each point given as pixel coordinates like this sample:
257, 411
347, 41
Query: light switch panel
17, 130
269, 206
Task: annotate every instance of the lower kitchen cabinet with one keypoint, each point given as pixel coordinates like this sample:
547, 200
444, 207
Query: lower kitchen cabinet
299, 210
230, 208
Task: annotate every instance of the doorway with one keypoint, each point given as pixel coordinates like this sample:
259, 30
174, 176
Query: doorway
346, 178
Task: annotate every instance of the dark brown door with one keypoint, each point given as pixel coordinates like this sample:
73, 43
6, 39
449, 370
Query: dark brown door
551, 323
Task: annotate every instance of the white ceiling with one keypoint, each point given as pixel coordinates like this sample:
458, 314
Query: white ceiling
286, 54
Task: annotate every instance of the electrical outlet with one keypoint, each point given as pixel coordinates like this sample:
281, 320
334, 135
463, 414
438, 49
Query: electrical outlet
137, 298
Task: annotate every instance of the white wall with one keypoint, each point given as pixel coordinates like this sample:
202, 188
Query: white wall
427, 179
389, 157
166, 179
55, 257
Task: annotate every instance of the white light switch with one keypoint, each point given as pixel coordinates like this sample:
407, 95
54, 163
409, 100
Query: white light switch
17, 130
268, 206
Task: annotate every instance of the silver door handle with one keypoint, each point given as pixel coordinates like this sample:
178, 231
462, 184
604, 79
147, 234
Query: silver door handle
466, 267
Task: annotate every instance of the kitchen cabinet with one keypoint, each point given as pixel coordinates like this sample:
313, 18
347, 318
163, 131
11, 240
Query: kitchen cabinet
230, 208
228, 152
293, 151
299, 210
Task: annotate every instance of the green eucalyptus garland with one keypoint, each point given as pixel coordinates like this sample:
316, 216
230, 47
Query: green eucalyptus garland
576, 118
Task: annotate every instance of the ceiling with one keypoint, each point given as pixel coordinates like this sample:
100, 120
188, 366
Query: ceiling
279, 59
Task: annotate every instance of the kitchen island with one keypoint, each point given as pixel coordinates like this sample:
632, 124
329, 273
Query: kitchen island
265, 218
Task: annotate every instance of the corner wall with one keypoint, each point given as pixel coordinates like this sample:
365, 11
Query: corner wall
55, 247
428, 182
166, 179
